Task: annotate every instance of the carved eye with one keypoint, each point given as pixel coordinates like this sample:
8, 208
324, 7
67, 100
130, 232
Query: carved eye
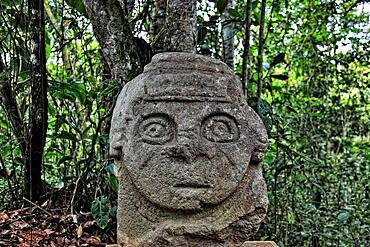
220, 128
157, 129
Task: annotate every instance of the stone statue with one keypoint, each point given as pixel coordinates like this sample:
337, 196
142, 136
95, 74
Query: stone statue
188, 150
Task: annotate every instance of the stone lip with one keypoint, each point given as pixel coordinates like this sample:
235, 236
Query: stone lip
246, 244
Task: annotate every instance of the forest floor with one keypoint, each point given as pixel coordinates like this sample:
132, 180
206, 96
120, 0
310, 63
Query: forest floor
43, 226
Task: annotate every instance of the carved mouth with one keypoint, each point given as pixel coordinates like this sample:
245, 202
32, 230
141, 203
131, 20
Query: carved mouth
192, 186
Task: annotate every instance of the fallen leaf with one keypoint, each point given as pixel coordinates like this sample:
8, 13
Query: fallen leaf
3, 217
25, 229
20, 225
32, 238
88, 224
66, 218
45, 204
48, 231
74, 217
53, 244
17, 211
79, 231
5, 232
93, 240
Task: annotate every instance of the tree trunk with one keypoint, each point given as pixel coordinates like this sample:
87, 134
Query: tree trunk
39, 109
228, 34
180, 30
157, 23
246, 44
125, 55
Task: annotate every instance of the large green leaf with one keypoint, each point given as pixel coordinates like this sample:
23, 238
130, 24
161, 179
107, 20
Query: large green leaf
236, 13
78, 5
278, 59
343, 216
100, 211
113, 182
280, 77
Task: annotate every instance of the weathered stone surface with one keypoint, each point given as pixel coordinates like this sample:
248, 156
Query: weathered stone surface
187, 147
259, 244
246, 244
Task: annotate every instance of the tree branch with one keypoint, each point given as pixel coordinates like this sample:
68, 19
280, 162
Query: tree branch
261, 42
228, 35
9, 103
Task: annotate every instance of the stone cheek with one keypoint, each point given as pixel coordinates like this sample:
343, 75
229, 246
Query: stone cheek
188, 148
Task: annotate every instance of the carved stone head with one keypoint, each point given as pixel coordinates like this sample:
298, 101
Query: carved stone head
184, 140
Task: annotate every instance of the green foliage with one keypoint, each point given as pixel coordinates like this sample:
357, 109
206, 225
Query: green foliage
81, 96
264, 110
112, 178
78, 5
101, 211
280, 58
315, 105
316, 167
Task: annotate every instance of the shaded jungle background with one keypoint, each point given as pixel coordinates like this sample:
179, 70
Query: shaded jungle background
306, 72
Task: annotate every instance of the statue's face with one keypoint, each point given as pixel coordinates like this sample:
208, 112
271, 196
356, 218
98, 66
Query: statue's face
187, 154
183, 133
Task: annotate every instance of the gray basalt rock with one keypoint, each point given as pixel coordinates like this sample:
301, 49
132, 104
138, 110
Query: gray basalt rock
188, 150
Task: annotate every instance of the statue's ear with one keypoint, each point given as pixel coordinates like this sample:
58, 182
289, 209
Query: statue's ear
258, 153
116, 142
261, 144
259, 135
117, 136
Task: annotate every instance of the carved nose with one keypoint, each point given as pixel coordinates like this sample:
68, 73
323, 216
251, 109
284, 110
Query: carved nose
186, 146
189, 146
186, 152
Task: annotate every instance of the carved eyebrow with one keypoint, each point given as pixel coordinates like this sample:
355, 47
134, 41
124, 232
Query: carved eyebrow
179, 98
188, 94
157, 114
